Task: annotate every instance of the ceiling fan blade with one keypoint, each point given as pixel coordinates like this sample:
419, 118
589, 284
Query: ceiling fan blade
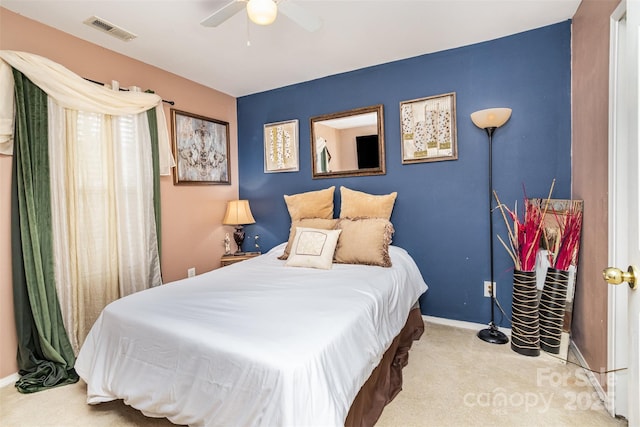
300, 16
224, 13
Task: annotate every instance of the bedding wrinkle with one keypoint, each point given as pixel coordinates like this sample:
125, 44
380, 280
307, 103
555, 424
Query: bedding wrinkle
252, 344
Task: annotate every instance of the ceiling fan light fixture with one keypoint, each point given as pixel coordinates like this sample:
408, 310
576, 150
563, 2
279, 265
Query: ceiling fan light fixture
262, 12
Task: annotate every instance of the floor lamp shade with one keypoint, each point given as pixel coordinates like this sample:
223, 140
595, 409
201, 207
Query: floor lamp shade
238, 213
490, 119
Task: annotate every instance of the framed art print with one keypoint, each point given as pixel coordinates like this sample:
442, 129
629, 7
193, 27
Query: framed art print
428, 129
201, 149
281, 147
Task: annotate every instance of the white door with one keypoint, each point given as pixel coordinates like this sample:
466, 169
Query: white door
624, 213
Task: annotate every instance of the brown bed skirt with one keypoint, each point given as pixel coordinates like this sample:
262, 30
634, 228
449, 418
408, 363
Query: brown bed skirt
385, 381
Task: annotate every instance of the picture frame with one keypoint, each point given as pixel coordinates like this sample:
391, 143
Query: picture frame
428, 130
201, 149
281, 146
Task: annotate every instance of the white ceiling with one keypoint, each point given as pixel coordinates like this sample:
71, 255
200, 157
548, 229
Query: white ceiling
354, 34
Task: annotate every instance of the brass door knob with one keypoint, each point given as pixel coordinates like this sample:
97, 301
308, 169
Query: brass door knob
615, 276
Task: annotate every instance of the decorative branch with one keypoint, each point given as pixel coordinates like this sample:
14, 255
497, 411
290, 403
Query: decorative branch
524, 236
563, 247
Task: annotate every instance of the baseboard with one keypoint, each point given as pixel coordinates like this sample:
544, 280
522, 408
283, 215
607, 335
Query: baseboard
11, 379
461, 324
602, 394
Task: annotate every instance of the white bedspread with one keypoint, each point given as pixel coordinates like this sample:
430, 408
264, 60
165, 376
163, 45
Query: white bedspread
252, 344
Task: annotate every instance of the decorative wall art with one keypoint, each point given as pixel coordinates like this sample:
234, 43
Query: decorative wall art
281, 147
201, 149
428, 127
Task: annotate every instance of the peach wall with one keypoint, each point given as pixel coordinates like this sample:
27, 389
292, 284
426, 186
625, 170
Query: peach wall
349, 146
590, 99
192, 232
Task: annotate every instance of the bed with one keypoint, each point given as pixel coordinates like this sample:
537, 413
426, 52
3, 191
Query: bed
259, 343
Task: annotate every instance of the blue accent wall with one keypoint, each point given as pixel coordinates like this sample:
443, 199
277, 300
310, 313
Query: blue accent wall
441, 214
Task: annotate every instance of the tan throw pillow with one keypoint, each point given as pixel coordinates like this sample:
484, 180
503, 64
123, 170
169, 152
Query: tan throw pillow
313, 248
312, 204
364, 241
321, 223
356, 204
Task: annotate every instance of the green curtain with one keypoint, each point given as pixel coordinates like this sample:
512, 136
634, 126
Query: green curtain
45, 356
152, 118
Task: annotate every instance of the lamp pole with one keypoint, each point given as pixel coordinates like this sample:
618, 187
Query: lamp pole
490, 119
492, 334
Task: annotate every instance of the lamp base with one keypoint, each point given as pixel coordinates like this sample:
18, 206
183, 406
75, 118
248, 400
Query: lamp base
238, 236
493, 335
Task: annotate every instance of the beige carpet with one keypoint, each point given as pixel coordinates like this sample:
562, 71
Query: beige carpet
453, 379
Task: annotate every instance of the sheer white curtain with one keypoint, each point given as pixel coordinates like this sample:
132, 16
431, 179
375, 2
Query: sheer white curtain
103, 222
101, 166
103, 214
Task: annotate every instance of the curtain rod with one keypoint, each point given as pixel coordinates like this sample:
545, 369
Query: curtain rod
123, 89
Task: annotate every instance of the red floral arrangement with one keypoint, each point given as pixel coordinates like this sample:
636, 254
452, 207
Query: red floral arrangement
524, 236
563, 243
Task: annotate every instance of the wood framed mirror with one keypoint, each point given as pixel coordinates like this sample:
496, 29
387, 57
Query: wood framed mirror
349, 143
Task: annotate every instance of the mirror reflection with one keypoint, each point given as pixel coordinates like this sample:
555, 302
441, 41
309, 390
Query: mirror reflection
349, 143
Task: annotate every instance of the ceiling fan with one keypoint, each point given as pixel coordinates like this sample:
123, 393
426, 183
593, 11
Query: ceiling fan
263, 12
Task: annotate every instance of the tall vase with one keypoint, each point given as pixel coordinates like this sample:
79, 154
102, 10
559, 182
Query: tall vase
525, 328
552, 308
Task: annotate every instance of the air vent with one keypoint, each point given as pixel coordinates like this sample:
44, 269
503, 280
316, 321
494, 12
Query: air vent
109, 28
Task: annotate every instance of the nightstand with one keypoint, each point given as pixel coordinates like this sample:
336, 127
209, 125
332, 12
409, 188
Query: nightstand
232, 259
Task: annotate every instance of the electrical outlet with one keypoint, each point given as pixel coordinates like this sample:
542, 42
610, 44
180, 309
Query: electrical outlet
191, 272
487, 288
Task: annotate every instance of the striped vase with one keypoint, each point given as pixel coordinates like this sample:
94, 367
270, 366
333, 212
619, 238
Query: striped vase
525, 330
551, 310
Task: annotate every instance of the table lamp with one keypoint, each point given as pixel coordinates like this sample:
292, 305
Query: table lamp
238, 214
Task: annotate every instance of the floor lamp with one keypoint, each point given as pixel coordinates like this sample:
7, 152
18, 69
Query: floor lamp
490, 120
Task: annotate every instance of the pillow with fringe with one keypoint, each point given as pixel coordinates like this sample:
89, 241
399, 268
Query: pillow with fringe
364, 241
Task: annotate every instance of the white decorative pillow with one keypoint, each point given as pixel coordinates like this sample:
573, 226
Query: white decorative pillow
313, 247
322, 223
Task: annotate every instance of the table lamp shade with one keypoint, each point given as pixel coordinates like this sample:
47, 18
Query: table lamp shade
238, 213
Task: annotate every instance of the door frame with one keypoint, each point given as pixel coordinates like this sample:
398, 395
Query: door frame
617, 316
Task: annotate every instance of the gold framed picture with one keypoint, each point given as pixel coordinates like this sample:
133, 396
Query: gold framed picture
281, 147
201, 149
428, 129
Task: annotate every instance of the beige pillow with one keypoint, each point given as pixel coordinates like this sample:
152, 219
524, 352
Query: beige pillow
356, 204
321, 223
364, 241
313, 247
312, 204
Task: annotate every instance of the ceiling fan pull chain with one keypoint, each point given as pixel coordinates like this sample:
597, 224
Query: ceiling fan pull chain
248, 32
